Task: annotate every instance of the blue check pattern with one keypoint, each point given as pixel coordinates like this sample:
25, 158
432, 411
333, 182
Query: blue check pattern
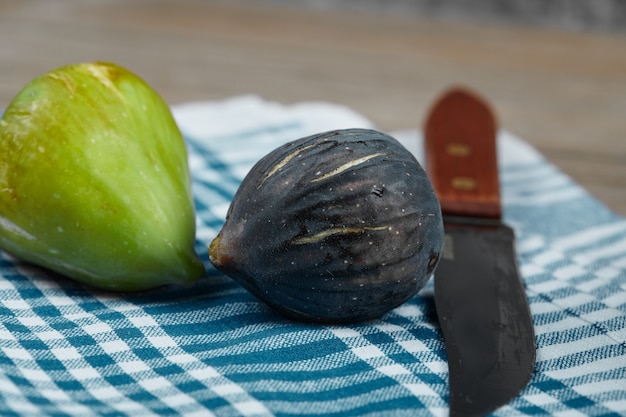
214, 350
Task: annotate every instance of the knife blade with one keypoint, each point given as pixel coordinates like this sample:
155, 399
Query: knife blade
480, 299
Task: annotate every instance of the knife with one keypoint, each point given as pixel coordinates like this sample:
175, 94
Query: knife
480, 300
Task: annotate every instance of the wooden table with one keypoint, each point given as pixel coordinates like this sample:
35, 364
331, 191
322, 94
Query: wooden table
563, 92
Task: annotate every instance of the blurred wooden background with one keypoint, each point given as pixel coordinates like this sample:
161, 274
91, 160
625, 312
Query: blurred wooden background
561, 89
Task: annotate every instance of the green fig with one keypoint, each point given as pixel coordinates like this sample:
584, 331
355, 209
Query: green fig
94, 181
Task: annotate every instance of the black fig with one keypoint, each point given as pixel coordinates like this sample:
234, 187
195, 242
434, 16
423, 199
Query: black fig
337, 227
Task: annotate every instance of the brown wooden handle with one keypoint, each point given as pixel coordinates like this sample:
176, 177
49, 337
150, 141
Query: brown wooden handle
461, 157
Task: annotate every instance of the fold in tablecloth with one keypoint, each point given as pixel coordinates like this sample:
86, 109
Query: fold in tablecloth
213, 349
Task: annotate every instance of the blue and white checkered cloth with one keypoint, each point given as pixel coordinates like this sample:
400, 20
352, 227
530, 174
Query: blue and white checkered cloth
214, 350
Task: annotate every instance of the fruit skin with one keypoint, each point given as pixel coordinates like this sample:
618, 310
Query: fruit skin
337, 227
94, 181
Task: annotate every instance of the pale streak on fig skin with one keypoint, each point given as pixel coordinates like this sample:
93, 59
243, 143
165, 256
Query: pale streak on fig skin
283, 162
336, 231
10, 226
101, 72
348, 165
69, 85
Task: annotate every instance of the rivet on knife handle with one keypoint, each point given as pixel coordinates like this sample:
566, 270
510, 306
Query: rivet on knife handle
463, 168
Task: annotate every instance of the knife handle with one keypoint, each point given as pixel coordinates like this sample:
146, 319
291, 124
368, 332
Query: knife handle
461, 157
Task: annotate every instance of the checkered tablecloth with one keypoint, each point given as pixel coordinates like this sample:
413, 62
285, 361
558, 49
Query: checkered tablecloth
213, 349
